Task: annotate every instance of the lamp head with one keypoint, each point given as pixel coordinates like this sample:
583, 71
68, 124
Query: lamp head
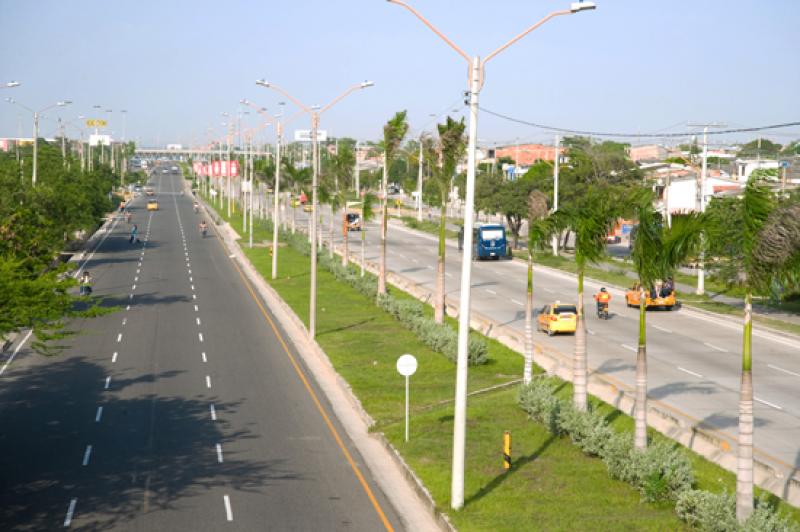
365, 84
581, 6
262, 82
12, 84
10, 100
244, 101
64, 103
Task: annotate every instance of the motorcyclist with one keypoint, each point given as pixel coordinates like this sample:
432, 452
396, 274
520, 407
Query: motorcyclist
203, 228
603, 298
196, 206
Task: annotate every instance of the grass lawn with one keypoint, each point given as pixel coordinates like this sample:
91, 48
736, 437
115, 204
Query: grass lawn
552, 485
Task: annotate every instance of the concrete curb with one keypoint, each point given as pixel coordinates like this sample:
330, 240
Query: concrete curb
411, 500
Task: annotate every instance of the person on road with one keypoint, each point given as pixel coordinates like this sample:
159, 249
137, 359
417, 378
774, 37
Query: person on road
134, 234
85, 283
196, 207
203, 228
603, 298
128, 216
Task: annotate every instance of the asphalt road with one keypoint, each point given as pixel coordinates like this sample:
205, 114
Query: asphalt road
179, 411
694, 360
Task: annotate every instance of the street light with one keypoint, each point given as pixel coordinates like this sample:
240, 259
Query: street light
36, 114
315, 113
10, 85
476, 80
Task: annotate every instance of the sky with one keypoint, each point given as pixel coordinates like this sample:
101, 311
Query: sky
176, 65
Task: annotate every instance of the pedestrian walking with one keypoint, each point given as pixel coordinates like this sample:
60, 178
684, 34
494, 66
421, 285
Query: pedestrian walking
134, 234
85, 283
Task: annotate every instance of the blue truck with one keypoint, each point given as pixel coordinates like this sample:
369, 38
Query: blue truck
488, 241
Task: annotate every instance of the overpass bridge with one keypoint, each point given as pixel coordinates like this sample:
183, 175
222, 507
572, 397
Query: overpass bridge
184, 153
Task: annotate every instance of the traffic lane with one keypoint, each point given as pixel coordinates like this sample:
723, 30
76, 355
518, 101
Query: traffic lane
251, 373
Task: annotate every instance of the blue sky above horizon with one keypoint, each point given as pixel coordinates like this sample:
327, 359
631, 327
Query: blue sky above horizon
632, 66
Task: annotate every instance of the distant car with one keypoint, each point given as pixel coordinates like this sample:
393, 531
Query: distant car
174, 169
664, 299
557, 318
152, 205
393, 189
149, 191
137, 188
164, 171
307, 207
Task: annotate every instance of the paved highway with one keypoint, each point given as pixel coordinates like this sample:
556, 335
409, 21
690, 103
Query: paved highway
180, 411
694, 360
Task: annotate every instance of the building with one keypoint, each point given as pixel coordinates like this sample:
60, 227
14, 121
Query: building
676, 188
527, 154
745, 167
648, 153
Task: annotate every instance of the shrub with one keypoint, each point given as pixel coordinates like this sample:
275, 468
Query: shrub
716, 512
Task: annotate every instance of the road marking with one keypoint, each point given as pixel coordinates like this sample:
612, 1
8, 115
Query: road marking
547, 290
712, 346
591, 332
11, 358
208, 381
213, 412
783, 370
668, 331
200, 335
491, 292
204, 356
70, 511
194, 296
198, 320
690, 372
448, 274
108, 382
119, 337
190, 271
195, 308
401, 255
430, 267
630, 348
138, 270
188, 265
128, 307
192, 287
228, 511
86, 454
773, 405
190, 279
114, 357
124, 321
136, 279
415, 261
219, 453
520, 303
130, 296
232, 255
99, 414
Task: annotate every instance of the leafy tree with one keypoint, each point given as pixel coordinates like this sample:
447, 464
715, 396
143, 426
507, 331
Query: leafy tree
367, 214
393, 132
760, 147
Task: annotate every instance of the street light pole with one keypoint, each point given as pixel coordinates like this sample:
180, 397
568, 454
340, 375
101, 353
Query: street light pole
36, 115
555, 191
476, 80
419, 181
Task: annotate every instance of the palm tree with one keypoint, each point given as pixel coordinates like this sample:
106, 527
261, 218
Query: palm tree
393, 132
367, 214
658, 251
539, 231
296, 177
448, 151
761, 246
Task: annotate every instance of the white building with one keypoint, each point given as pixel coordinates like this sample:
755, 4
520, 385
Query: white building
745, 167
677, 188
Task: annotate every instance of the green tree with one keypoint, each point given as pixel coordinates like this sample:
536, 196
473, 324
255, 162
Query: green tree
367, 214
760, 148
393, 133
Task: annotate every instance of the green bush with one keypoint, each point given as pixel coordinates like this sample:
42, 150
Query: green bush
716, 512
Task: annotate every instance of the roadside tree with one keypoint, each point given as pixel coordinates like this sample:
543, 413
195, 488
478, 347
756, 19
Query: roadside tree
393, 133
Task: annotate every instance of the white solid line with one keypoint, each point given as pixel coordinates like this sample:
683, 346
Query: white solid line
690, 372
70, 511
219, 453
114, 357
204, 356
200, 335
668, 331
119, 337
228, 511
629, 348
773, 405
198, 320
783, 370
491, 292
213, 412
712, 346
520, 303
99, 414
108, 382
86, 455
208, 381
15, 351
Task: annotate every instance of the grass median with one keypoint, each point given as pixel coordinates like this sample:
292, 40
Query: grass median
552, 484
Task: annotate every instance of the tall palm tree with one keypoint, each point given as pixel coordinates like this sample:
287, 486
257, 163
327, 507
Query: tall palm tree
295, 178
762, 245
539, 231
393, 132
657, 252
448, 150
367, 214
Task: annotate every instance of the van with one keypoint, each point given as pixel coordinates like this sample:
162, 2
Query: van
488, 241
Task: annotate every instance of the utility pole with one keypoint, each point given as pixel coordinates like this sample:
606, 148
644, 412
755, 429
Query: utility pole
358, 173
419, 181
557, 161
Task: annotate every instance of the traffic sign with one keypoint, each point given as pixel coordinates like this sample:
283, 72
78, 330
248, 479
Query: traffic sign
96, 122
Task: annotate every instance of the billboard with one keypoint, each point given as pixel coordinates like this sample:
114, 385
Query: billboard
97, 140
304, 135
225, 168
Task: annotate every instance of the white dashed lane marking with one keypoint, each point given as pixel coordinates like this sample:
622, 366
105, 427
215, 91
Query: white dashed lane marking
70, 512
114, 357
228, 511
86, 455
119, 337
213, 412
690, 372
668, 331
712, 346
200, 336
219, 453
773, 405
108, 383
208, 381
204, 356
99, 414
783, 370
629, 348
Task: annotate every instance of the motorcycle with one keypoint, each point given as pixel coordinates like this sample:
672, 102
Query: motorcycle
602, 311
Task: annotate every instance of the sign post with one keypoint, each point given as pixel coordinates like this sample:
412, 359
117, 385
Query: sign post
406, 366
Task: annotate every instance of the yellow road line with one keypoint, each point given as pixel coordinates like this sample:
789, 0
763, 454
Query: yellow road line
311, 392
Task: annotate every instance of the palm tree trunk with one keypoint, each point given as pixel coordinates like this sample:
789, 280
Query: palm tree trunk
640, 408
346, 254
293, 216
330, 226
363, 240
384, 215
438, 314
527, 372
579, 376
744, 468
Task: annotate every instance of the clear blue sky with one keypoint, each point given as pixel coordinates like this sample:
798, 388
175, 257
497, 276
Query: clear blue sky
175, 65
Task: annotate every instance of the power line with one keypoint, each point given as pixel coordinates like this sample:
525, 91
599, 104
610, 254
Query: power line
646, 135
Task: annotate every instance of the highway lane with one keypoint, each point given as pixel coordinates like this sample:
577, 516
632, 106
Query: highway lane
180, 411
694, 359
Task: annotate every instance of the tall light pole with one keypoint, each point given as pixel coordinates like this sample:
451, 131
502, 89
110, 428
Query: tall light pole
555, 189
315, 115
36, 115
476, 80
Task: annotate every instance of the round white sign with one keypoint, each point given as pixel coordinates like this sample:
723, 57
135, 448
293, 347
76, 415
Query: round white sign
406, 365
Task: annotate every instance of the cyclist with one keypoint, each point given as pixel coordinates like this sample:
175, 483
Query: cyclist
603, 298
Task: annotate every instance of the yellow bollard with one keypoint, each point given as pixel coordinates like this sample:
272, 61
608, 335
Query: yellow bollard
506, 450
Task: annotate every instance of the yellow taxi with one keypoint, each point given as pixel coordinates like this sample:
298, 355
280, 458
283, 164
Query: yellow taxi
557, 318
307, 207
656, 298
152, 205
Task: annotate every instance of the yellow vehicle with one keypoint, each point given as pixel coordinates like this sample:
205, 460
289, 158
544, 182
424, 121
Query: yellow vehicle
557, 318
152, 205
307, 207
653, 298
